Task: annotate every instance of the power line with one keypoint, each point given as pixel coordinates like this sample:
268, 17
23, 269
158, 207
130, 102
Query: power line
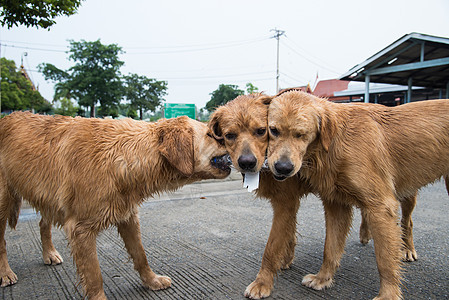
151, 50
297, 46
309, 60
215, 76
197, 49
292, 78
205, 44
32, 48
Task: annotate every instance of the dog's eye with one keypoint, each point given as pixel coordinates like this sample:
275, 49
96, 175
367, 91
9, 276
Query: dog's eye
298, 135
230, 136
274, 131
261, 131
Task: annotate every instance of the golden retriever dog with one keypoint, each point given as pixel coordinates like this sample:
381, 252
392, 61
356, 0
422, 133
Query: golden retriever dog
89, 174
242, 126
373, 157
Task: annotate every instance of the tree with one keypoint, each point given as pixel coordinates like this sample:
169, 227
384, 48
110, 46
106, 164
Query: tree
17, 91
224, 94
144, 93
67, 108
94, 78
38, 13
251, 89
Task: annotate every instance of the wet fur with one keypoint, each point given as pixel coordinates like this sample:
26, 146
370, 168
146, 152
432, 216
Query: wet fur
243, 117
86, 175
369, 156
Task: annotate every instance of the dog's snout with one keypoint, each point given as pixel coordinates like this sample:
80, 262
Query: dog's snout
283, 167
247, 162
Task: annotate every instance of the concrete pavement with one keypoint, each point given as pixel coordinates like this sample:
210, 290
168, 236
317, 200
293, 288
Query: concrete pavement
209, 238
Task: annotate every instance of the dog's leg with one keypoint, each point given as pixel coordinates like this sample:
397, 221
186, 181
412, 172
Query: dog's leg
279, 251
407, 206
364, 233
82, 241
130, 233
338, 221
9, 209
382, 220
49, 253
6, 274
290, 253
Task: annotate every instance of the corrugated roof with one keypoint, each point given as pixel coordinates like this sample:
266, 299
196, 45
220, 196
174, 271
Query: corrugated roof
424, 58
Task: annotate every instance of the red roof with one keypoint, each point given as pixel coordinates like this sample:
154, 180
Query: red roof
305, 88
326, 88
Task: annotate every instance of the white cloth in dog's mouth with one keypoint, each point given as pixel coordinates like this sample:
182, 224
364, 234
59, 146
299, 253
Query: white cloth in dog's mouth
251, 181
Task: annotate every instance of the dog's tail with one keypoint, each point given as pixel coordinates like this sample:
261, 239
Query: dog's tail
446, 180
10, 208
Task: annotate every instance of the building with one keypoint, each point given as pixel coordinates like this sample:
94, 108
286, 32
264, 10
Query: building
416, 61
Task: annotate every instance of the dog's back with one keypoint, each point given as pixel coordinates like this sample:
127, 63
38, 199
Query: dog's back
53, 161
24, 168
416, 138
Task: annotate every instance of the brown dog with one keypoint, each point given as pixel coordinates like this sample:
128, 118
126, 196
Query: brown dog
364, 156
89, 174
242, 125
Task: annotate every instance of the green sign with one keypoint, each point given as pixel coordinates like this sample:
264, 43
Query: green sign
173, 110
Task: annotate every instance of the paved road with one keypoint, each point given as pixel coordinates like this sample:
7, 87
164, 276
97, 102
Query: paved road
209, 238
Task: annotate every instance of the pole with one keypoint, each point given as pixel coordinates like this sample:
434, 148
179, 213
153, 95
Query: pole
277, 35
367, 80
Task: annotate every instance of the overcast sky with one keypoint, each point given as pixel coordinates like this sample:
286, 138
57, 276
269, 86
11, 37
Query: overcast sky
198, 45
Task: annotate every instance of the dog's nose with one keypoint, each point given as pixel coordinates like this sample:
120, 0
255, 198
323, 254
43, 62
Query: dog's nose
247, 162
283, 167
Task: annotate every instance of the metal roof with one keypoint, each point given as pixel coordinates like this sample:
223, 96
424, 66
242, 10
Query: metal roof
423, 58
358, 89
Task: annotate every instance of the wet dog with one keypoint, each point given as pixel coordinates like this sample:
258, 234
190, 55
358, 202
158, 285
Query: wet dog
242, 126
88, 174
365, 156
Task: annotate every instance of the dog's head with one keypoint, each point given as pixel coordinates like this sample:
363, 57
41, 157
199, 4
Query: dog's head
241, 125
295, 121
189, 147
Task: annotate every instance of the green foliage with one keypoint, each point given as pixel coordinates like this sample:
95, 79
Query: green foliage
144, 93
94, 78
224, 94
60, 78
67, 108
17, 91
251, 89
132, 113
38, 13
108, 111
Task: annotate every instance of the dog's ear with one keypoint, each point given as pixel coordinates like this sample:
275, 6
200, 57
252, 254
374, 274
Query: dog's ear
214, 125
327, 131
176, 144
265, 99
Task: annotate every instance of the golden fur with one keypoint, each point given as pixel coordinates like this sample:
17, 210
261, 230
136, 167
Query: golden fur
88, 174
245, 119
242, 125
369, 156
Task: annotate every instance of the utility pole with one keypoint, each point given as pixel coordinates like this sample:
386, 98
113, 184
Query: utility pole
277, 34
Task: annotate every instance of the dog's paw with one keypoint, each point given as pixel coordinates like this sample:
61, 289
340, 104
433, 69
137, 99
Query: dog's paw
316, 283
387, 298
287, 262
286, 266
52, 258
159, 283
364, 240
258, 290
8, 278
409, 255
365, 236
